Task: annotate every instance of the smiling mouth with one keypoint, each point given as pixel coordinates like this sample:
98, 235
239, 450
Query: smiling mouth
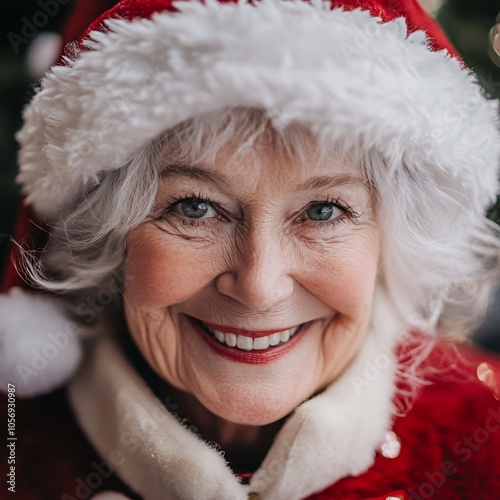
254, 343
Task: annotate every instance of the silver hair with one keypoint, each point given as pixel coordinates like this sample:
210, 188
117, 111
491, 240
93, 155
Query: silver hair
439, 259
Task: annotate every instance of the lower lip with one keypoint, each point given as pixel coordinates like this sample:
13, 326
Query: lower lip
250, 357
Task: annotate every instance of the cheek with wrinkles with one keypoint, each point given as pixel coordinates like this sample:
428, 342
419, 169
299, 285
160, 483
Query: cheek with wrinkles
162, 351
343, 276
167, 272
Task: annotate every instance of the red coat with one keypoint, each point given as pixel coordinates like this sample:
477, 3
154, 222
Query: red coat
450, 449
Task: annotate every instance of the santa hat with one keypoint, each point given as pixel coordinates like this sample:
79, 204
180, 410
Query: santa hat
377, 71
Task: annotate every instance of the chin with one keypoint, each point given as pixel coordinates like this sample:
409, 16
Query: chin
251, 409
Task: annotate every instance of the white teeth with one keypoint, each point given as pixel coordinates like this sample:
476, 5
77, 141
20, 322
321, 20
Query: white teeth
261, 343
285, 336
275, 338
245, 343
248, 343
231, 339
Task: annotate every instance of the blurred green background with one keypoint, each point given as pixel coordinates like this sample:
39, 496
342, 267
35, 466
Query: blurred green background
467, 23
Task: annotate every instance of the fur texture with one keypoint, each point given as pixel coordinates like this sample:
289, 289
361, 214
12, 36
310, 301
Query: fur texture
356, 80
39, 345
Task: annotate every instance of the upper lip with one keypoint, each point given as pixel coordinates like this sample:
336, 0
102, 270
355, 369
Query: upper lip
246, 332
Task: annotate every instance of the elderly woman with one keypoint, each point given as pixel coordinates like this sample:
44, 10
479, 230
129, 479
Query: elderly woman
262, 218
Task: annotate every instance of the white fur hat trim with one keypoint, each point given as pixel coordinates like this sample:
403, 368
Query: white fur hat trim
346, 75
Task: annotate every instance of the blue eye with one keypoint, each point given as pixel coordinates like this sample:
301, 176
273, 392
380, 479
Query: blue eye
323, 211
194, 208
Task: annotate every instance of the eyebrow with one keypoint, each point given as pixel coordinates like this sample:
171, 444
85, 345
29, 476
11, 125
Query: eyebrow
194, 172
325, 181
201, 174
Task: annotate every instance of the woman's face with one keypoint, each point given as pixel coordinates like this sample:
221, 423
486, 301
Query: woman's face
250, 285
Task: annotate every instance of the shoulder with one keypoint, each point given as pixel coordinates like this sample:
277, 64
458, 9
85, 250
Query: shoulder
449, 439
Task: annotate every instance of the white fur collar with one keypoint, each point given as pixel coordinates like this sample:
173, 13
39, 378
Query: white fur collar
333, 435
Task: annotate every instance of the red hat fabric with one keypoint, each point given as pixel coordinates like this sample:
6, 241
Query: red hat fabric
387, 10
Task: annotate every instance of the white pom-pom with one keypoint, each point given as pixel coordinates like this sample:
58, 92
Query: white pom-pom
43, 53
39, 344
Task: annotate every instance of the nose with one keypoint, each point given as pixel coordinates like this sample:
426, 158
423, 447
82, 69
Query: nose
259, 275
